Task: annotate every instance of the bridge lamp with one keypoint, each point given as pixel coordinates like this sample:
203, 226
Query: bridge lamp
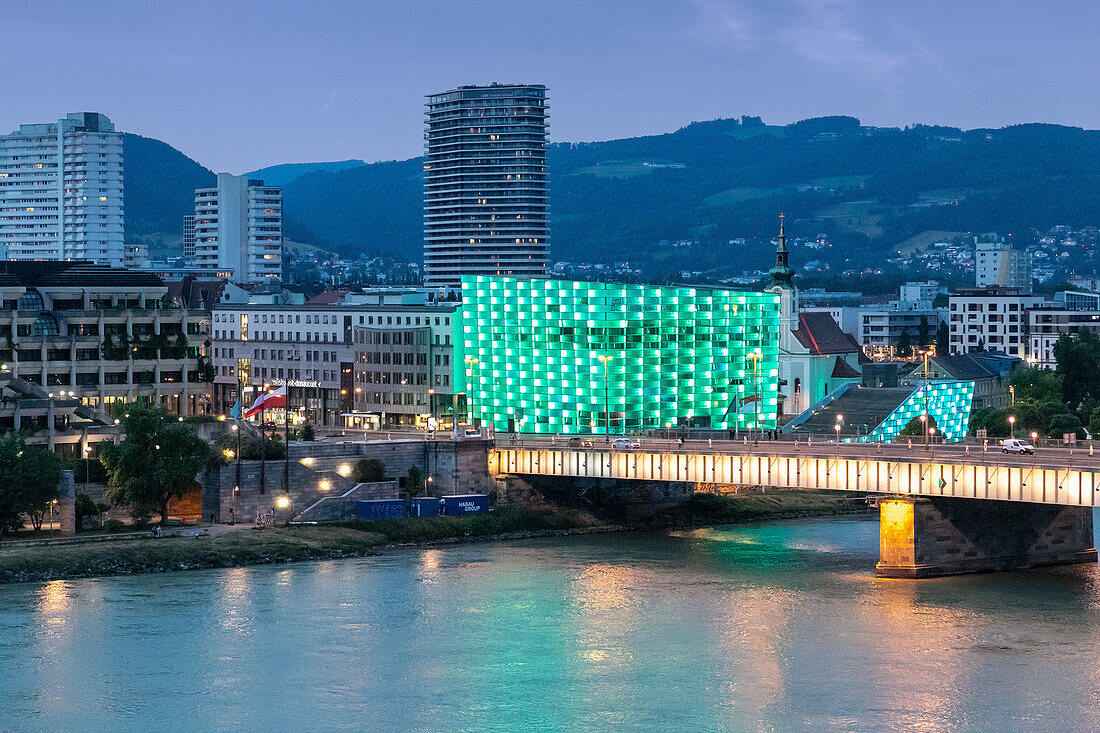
282, 502
1034, 435
1011, 425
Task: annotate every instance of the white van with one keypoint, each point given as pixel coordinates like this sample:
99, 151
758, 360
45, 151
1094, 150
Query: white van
1014, 445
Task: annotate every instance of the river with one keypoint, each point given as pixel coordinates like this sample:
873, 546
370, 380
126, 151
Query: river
769, 626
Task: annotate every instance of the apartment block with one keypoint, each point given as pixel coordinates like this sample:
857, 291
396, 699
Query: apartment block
61, 191
238, 229
990, 319
486, 206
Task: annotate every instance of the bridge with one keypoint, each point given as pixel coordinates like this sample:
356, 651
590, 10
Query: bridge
945, 508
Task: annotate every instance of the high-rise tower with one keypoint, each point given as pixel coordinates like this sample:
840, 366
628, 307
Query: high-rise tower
486, 210
61, 191
239, 229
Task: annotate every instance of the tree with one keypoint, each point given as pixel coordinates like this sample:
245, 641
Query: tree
28, 482
1066, 423
923, 334
905, 344
307, 433
157, 462
1078, 359
1037, 386
990, 419
38, 472
369, 470
943, 340
1094, 423
414, 483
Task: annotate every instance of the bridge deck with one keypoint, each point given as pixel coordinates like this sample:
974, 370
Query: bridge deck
1053, 476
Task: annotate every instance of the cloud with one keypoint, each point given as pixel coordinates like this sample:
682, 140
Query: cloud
726, 22
827, 32
331, 100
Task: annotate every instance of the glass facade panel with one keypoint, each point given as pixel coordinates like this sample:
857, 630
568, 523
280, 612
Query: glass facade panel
562, 356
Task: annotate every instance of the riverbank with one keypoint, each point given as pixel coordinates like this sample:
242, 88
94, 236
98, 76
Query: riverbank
357, 539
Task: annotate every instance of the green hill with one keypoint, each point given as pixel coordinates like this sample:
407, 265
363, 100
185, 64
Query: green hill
280, 175
868, 189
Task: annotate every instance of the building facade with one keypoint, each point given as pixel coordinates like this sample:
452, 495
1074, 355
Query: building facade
1045, 325
189, 237
239, 230
990, 319
486, 207
107, 335
329, 353
61, 191
881, 330
997, 264
561, 356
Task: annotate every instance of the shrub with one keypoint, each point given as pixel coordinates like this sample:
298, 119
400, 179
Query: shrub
307, 433
369, 470
85, 507
114, 525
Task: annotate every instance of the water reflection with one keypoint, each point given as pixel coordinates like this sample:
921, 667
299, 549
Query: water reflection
772, 626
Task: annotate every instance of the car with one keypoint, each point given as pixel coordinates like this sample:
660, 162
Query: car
1013, 445
625, 443
579, 443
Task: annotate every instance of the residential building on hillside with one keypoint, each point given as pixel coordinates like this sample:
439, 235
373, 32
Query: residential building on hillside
61, 191
239, 230
1045, 325
486, 207
997, 264
314, 346
105, 334
990, 319
562, 356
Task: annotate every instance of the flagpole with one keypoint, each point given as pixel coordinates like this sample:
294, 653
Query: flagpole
286, 438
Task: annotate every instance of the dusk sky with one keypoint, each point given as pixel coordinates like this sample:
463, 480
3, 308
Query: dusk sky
240, 85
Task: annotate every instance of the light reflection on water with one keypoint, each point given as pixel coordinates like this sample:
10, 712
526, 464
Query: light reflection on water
765, 626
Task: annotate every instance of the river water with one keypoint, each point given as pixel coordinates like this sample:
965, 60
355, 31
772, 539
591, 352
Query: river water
771, 626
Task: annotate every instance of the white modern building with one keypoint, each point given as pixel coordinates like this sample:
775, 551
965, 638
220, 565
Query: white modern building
996, 264
239, 230
993, 319
1045, 325
61, 193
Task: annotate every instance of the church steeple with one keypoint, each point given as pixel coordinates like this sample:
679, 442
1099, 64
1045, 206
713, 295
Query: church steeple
782, 275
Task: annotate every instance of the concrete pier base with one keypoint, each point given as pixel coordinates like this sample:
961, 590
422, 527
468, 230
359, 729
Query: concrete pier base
66, 503
929, 537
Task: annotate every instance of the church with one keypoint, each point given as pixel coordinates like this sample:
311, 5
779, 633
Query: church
816, 358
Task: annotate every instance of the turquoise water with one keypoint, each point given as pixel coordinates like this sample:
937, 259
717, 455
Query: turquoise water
773, 626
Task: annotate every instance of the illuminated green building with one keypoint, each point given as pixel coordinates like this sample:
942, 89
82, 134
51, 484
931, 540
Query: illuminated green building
560, 356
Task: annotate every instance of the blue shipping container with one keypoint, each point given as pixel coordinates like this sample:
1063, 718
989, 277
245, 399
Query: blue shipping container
453, 505
425, 506
380, 509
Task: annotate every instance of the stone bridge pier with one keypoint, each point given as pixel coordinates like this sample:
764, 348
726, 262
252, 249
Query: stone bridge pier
929, 537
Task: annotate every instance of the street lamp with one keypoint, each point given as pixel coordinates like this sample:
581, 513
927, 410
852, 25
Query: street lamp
606, 398
1011, 426
87, 467
1012, 395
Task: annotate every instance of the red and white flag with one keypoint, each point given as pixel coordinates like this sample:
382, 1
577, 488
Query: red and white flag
267, 401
